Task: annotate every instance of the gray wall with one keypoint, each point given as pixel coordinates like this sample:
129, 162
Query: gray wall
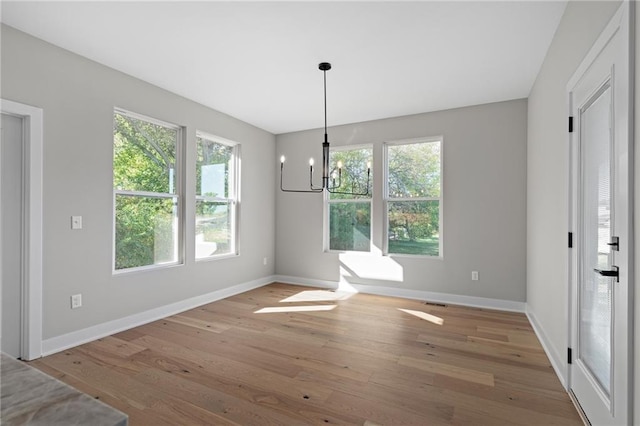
637, 227
548, 168
78, 97
484, 204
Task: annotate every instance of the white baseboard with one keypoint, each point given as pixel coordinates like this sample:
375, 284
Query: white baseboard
307, 282
557, 361
453, 299
75, 338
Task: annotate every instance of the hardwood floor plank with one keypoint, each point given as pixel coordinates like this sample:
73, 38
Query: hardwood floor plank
489, 348
357, 349
227, 345
192, 321
184, 413
369, 360
380, 411
81, 367
220, 369
501, 392
473, 376
291, 398
507, 413
210, 399
137, 415
110, 350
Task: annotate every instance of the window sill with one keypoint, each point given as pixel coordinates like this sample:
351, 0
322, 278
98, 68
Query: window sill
414, 256
147, 268
218, 257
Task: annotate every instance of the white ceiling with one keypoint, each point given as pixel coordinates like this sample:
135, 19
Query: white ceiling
258, 61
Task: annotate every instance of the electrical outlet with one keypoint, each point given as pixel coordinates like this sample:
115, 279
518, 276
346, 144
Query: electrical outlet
76, 222
76, 301
264, 261
474, 276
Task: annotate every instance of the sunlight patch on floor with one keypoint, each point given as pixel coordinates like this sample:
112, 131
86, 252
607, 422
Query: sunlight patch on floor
318, 296
280, 309
423, 315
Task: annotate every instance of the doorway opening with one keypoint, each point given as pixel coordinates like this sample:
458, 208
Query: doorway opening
26, 128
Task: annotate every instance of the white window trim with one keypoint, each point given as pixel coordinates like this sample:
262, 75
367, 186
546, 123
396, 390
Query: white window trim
327, 202
179, 195
234, 200
387, 199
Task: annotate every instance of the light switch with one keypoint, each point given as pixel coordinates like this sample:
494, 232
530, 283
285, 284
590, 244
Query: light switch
76, 301
76, 222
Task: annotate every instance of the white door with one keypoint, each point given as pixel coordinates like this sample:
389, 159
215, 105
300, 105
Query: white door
599, 95
11, 191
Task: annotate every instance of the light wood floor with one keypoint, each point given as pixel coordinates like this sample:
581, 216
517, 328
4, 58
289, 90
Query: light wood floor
364, 360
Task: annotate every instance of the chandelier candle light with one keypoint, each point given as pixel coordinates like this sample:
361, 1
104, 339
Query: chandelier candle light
328, 179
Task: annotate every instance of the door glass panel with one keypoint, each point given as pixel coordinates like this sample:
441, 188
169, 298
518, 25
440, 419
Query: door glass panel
595, 310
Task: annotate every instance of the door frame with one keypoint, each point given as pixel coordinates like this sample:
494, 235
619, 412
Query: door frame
623, 20
31, 285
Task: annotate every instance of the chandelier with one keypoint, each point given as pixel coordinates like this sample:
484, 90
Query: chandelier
329, 177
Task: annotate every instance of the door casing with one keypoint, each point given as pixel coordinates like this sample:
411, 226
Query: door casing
622, 21
31, 286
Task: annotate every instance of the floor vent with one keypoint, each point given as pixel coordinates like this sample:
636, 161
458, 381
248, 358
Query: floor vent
442, 305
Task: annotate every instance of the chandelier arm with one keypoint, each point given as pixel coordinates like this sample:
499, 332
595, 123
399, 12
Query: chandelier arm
303, 191
312, 190
347, 192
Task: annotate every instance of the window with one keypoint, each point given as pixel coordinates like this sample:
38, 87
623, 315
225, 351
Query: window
147, 195
413, 197
350, 215
216, 196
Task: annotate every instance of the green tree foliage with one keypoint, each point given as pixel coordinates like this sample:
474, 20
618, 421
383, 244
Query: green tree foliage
350, 222
353, 176
413, 227
350, 226
414, 177
144, 231
144, 160
414, 170
144, 156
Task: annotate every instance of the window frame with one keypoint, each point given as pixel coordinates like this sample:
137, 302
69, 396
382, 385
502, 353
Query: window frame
327, 204
178, 195
233, 199
387, 199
